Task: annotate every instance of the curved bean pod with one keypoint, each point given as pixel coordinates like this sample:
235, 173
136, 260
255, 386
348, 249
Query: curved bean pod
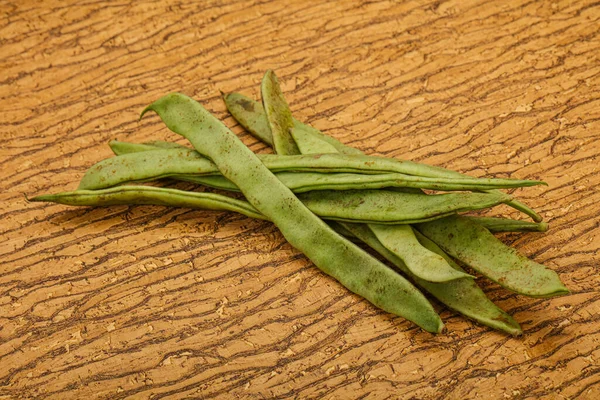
423, 263
251, 116
461, 295
162, 163
475, 246
333, 254
150, 195
387, 206
399, 239
278, 115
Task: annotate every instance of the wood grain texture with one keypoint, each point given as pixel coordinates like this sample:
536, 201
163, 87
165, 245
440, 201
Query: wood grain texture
150, 302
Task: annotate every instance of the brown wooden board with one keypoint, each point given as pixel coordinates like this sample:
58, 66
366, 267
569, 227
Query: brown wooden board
152, 302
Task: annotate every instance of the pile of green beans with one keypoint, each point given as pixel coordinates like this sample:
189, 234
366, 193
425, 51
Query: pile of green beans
327, 199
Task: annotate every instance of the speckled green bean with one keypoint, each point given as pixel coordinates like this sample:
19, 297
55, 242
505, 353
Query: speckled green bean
382, 207
399, 239
461, 295
333, 254
278, 115
126, 194
379, 206
427, 265
476, 247
251, 115
150, 195
161, 163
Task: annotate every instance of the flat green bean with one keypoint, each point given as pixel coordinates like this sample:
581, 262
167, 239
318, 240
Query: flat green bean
369, 206
161, 163
399, 239
379, 206
278, 115
150, 195
126, 194
423, 263
461, 295
251, 115
476, 247
333, 254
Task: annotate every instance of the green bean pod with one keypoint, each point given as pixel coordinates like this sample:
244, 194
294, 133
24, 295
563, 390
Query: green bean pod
399, 239
161, 163
251, 115
386, 206
150, 195
278, 115
476, 247
423, 263
126, 194
369, 206
333, 254
461, 295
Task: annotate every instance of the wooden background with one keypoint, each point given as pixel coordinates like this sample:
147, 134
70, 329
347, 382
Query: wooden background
151, 302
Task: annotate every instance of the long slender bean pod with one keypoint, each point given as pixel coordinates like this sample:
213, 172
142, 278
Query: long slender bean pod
323, 162
251, 115
333, 254
461, 295
162, 163
337, 204
126, 194
399, 239
476, 247
150, 195
388, 206
278, 114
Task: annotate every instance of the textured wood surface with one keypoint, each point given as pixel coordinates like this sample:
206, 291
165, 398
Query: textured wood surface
151, 302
